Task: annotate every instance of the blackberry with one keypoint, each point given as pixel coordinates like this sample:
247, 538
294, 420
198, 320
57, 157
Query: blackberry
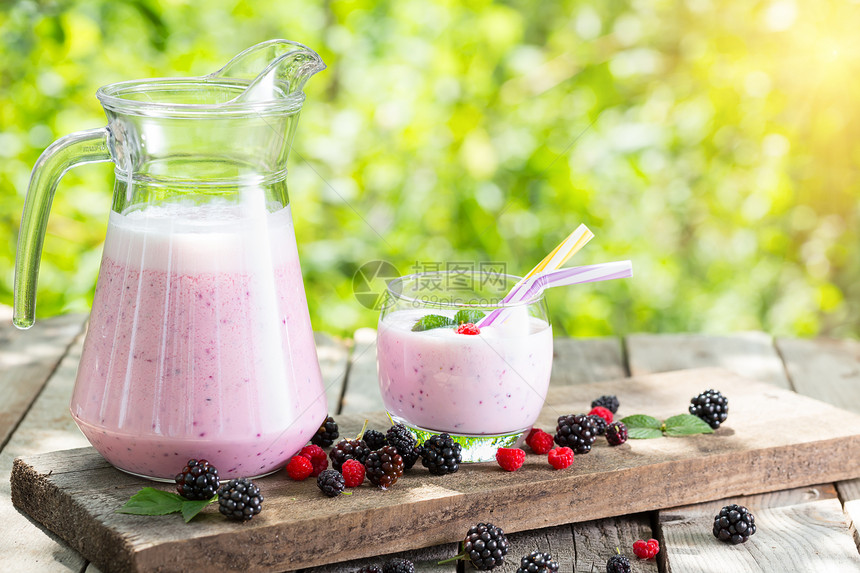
327, 433
441, 455
405, 443
616, 433
370, 569
398, 566
599, 424
348, 450
577, 432
711, 406
374, 439
331, 483
734, 524
197, 480
240, 499
618, 564
485, 546
537, 562
608, 402
384, 467
413, 456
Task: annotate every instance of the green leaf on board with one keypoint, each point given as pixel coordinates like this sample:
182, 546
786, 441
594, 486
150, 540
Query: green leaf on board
641, 421
151, 501
685, 425
640, 433
192, 508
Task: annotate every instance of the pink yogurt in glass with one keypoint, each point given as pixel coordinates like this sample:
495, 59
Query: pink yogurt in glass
199, 343
486, 384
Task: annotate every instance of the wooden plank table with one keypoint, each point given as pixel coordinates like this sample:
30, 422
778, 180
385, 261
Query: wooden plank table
808, 529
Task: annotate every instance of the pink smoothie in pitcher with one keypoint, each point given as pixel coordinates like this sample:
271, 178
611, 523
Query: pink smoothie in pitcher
199, 344
491, 383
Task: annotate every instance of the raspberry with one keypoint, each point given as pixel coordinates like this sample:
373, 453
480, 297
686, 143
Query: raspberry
300, 468
353, 473
539, 441
468, 328
317, 457
604, 413
511, 459
560, 458
198, 480
646, 549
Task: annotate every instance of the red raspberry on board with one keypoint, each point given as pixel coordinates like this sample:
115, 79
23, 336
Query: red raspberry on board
353, 473
317, 457
604, 413
300, 468
560, 458
646, 549
511, 459
468, 328
539, 441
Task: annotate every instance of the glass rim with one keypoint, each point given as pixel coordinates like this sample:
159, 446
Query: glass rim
111, 97
538, 298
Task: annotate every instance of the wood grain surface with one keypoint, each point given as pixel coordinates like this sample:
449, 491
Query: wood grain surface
362, 392
801, 529
750, 354
830, 371
27, 359
773, 434
47, 426
333, 356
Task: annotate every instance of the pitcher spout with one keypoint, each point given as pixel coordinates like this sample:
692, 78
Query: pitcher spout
274, 69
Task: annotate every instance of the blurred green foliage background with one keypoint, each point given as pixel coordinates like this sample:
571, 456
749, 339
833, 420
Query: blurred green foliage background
716, 143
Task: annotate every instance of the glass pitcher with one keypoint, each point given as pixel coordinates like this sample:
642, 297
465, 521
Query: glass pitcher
199, 342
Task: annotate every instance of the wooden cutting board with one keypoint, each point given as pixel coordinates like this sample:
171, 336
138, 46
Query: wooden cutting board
773, 439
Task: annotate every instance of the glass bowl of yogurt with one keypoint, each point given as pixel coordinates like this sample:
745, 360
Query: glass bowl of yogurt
441, 371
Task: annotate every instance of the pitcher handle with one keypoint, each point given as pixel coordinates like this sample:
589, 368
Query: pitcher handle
88, 146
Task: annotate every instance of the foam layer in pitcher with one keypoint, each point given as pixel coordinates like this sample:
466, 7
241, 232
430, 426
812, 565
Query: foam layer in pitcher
217, 236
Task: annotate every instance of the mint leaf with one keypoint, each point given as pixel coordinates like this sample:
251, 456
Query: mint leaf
685, 425
468, 315
641, 421
641, 433
151, 501
192, 508
431, 321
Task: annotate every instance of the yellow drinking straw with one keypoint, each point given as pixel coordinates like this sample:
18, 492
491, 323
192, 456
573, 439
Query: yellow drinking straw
562, 253
553, 261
